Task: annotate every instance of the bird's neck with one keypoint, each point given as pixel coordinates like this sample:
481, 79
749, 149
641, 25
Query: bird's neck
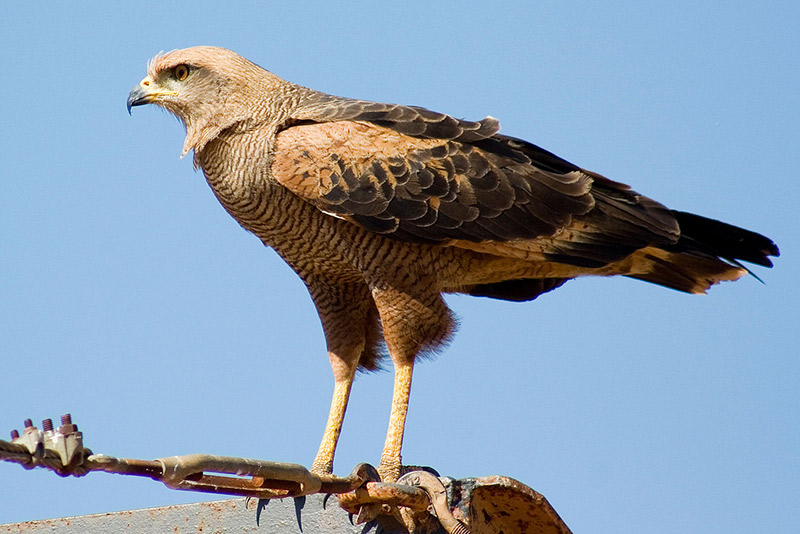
236, 165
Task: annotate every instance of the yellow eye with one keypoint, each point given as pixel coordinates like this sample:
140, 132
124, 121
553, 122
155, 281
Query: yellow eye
180, 72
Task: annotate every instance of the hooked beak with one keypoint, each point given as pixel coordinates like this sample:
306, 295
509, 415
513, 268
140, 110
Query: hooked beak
140, 94
143, 93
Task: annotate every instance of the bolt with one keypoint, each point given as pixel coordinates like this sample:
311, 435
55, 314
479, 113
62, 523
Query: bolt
67, 428
47, 425
28, 423
14, 434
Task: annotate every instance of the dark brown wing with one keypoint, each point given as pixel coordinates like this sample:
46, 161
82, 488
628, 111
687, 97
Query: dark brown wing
426, 190
423, 176
622, 222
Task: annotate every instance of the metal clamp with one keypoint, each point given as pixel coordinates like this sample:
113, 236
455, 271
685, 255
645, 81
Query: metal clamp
66, 441
31, 439
60, 449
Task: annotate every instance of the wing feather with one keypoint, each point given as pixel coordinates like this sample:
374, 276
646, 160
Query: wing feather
428, 190
421, 176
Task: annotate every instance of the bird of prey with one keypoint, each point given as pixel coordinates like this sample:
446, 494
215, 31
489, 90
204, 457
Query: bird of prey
382, 208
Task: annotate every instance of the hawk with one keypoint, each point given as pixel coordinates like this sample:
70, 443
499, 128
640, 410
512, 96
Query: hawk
382, 208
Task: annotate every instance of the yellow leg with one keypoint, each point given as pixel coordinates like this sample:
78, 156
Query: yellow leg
389, 468
323, 463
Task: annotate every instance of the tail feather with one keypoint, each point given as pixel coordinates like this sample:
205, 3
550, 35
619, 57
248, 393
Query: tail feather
724, 240
684, 271
707, 252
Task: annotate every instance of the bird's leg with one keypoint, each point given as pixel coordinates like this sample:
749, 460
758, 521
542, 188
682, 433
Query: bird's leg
391, 463
344, 311
414, 318
343, 379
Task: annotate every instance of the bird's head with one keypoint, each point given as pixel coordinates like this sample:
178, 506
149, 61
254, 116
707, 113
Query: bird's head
208, 89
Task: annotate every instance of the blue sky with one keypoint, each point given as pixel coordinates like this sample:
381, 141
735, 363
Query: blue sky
129, 298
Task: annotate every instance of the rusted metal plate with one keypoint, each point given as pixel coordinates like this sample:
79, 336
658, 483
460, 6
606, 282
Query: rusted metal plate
496, 504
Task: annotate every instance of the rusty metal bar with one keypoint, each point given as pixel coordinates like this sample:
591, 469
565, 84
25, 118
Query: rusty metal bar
381, 492
125, 466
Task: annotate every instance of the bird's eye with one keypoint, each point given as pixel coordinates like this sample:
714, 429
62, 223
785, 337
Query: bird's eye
180, 72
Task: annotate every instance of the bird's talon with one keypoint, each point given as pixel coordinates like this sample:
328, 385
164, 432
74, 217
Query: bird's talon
367, 512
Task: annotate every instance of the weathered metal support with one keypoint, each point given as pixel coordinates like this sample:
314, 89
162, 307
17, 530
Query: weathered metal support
420, 502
